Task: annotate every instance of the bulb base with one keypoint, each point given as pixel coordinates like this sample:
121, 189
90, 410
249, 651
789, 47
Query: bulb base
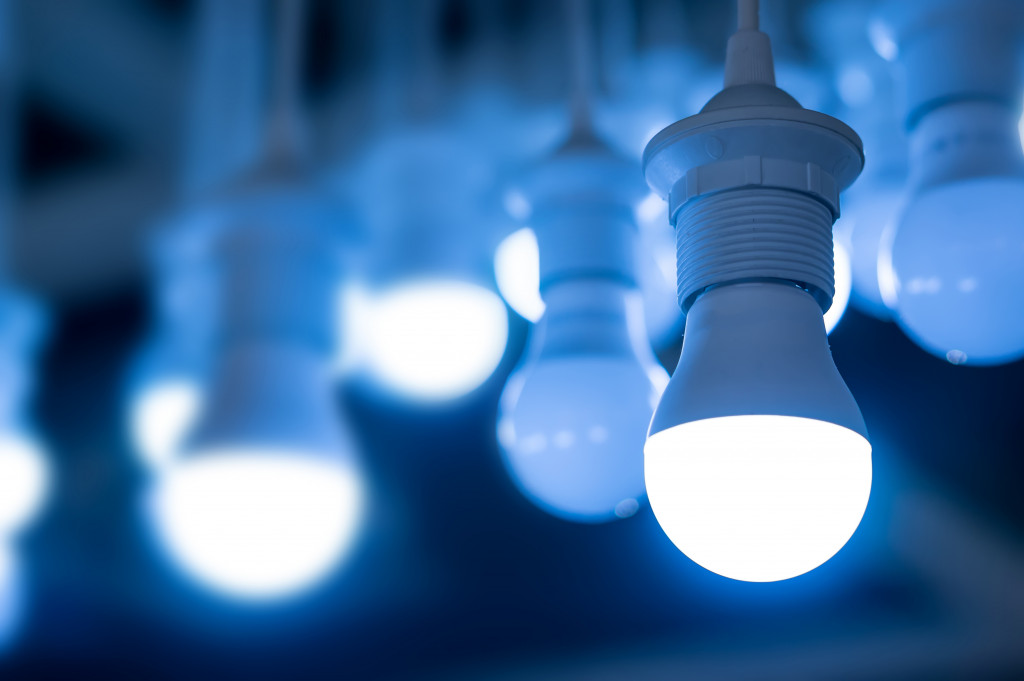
755, 234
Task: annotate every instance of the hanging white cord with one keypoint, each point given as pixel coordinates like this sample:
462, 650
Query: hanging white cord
581, 63
748, 58
747, 11
283, 121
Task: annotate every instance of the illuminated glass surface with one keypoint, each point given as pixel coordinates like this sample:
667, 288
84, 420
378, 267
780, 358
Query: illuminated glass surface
257, 524
758, 498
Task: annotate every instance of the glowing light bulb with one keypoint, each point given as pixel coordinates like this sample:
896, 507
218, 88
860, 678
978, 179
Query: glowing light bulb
436, 339
267, 500
757, 461
574, 415
757, 465
954, 268
24, 481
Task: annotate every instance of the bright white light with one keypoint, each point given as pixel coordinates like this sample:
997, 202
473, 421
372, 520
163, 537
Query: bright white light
844, 285
24, 482
257, 525
517, 270
758, 498
162, 415
650, 209
438, 339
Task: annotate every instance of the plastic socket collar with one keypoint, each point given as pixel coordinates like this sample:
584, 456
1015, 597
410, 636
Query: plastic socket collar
582, 203
750, 137
955, 51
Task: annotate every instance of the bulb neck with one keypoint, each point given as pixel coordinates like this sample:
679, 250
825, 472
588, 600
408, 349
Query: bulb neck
957, 51
756, 349
587, 240
278, 283
266, 396
590, 316
964, 140
748, 235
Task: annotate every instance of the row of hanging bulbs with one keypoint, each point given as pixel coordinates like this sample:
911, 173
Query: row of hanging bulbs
757, 463
754, 456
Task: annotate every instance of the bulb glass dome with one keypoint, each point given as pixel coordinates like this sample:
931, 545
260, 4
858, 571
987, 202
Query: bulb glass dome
257, 524
759, 498
436, 339
956, 270
757, 464
574, 416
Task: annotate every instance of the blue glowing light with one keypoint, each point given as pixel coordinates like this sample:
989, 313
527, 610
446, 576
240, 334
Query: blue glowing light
956, 271
574, 416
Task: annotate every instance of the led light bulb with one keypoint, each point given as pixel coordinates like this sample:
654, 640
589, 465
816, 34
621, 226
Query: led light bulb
758, 467
267, 499
954, 264
954, 267
757, 461
573, 414
437, 329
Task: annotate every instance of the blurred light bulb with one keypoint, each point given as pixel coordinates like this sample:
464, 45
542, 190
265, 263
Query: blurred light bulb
162, 415
954, 269
436, 339
574, 415
267, 500
24, 481
757, 464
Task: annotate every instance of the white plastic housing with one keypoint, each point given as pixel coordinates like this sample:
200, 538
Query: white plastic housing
757, 463
268, 497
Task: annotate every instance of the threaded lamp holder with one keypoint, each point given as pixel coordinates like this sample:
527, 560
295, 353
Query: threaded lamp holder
753, 184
